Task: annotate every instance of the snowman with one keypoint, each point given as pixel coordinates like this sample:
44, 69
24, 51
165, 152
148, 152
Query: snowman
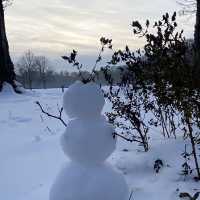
88, 141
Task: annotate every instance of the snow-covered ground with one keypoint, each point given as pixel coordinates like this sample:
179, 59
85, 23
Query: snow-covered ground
31, 156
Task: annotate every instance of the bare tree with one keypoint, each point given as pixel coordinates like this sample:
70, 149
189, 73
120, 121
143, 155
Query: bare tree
42, 66
27, 65
22, 74
7, 73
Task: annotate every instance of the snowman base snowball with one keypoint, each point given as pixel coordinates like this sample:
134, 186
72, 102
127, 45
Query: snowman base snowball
77, 182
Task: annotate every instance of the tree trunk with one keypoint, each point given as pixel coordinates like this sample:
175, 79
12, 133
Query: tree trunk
44, 80
7, 73
197, 27
194, 153
30, 79
197, 45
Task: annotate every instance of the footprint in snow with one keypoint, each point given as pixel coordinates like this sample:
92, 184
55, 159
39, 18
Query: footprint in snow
21, 119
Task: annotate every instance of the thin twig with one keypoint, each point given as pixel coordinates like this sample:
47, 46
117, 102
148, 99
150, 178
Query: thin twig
131, 195
125, 138
51, 115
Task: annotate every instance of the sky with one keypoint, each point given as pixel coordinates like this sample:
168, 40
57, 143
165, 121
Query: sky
54, 27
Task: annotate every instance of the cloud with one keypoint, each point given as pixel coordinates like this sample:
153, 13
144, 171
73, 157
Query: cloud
56, 26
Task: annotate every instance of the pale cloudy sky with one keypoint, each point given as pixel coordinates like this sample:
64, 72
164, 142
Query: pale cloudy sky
53, 27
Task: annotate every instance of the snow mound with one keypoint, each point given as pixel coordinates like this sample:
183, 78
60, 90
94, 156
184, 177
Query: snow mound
20, 87
7, 90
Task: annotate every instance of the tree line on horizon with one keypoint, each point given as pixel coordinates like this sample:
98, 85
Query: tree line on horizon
36, 72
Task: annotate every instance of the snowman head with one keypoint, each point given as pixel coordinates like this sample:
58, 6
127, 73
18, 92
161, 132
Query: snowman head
83, 100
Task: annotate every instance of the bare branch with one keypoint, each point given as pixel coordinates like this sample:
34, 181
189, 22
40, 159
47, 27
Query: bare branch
125, 138
51, 115
130, 197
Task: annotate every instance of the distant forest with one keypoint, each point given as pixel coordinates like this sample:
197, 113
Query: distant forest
35, 72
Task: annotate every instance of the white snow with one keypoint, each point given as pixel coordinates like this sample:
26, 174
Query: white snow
7, 90
31, 155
